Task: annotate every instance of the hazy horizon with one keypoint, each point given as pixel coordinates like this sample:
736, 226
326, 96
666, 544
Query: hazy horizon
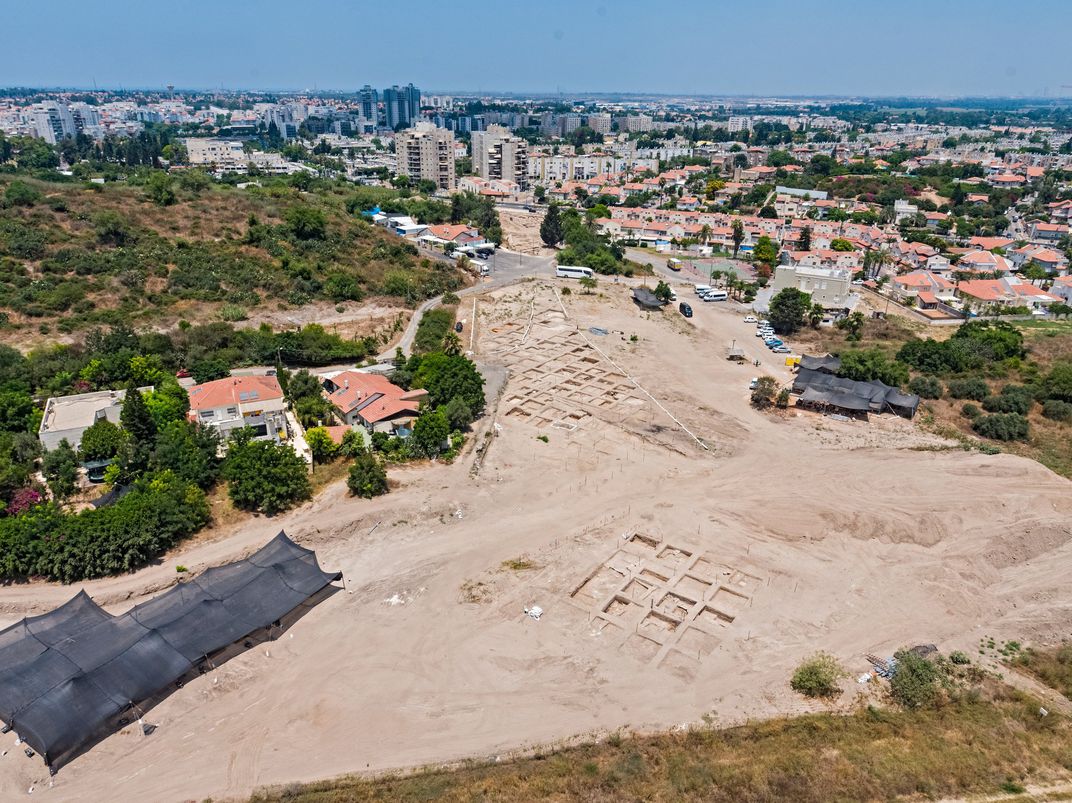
770, 48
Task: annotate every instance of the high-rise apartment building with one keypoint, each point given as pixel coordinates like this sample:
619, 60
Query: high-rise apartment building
368, 100
600, 123
401, 106
637, 123
426, 152
53, 122
736, 124
498, 154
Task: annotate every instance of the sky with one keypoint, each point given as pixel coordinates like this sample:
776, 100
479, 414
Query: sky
938, 48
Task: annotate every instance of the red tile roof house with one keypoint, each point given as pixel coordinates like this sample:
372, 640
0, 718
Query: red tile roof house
241, 401
920, 282
1051, 260
457, 233
1006, 292
372, 401
1048, 231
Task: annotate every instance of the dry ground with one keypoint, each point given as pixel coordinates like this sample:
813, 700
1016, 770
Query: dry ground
678, 582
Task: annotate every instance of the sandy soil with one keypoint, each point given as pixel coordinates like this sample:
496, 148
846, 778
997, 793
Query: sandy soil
677, 581
521, 231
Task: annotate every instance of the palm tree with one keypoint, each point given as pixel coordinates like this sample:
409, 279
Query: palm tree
705, 233
738, 236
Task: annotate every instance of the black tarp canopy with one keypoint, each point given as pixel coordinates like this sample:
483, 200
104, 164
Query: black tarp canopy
873, 396
67, 675
828, 364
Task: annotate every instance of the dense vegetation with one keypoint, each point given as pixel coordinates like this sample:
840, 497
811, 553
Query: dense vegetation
151, 247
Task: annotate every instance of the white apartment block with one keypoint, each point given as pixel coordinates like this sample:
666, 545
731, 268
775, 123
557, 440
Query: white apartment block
737, 124
830, 287
498, 154
636, 123
426, 152
225, 155
549, 169
53, 122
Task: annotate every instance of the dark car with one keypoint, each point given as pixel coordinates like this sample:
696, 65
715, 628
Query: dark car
685, 309
458, 326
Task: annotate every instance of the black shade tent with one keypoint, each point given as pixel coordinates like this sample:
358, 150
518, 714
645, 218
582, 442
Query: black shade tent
68, 676
819, 387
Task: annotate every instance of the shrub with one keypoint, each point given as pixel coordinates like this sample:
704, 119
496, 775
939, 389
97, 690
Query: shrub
915, 680
870, 364
818, 676
1002, 426
367, 477
970, 410
926, 387
1012, 399
959, 658
764, 392
1057, 410
972, 388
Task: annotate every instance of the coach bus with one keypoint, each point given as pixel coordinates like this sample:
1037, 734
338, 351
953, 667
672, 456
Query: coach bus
573, 272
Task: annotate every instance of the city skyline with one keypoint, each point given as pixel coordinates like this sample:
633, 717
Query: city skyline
703, 49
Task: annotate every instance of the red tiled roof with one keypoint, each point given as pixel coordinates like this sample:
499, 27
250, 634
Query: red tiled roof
233, 390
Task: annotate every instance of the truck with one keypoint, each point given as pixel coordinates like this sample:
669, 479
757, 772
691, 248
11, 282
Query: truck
673, 263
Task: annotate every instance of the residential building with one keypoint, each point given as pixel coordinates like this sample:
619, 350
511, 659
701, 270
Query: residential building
1048, 232
68, 417
225, 155
902, 209
568, 123
368, 100
1050, 259
498, 154
636, 123
830, 287
373, 402
738, 124
426, 152
600, 123
920, 283
401, 106
53, 122
235, 402
1008, 291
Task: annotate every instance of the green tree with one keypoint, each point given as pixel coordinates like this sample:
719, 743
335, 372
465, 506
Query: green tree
866, 365
208, 369
136, 418
1057, 384
915, 680
159, 189
60, 467
764, 392
458, 414
189, 450
263, 475
663, 291
17, 411
588, 283
167, 401
367, 477
805, 239
446, 377
551, 228
765, 251
815, 314
738, 236
840, 244
306, 222
853, 323
788, 309
324, 449
101, 441
429, 434
19, 193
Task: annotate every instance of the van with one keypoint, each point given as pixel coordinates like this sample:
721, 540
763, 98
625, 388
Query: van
685, 309
701, 289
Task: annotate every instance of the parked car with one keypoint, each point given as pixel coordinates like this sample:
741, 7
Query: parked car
750, 319
685, 309
752, 385
458, 326
782, 349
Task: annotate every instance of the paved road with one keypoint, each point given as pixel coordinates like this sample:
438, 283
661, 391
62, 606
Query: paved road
506, 268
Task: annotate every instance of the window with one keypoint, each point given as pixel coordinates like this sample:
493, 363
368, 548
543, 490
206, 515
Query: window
208, 413
232, 411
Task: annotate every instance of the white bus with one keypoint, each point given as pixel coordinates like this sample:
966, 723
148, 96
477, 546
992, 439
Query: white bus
573, 272
715, 295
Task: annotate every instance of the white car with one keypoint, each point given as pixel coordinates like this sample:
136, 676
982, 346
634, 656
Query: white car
750, 319
752, 385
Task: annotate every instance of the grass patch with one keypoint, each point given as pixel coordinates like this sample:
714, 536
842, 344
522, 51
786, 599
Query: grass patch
432, 328
1052, 667
520, 564
981, 743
